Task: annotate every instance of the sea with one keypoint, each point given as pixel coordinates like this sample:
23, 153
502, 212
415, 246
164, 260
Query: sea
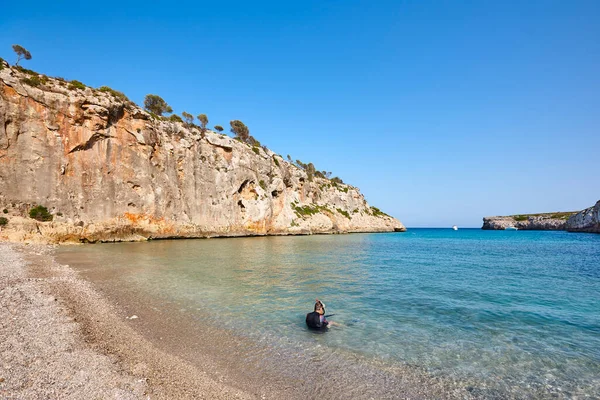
427, 313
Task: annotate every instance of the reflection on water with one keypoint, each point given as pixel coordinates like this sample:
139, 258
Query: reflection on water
510, 311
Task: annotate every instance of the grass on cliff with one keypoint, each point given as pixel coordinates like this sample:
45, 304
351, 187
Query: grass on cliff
376, 212
35, 80
308, 210
555, 215
76, 85
115, 93
344, 213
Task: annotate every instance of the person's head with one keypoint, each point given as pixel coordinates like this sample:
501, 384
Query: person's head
319, 307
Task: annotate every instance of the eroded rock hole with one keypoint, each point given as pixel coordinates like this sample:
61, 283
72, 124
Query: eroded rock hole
242, 186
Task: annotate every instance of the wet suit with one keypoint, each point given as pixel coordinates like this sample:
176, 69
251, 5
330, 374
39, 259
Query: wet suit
314, 320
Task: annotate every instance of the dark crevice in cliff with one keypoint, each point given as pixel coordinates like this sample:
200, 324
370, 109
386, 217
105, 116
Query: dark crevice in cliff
96, 137
243, 185
115, 115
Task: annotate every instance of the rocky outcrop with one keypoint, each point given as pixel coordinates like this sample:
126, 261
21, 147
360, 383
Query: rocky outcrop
587, 220
109, 171
541, 222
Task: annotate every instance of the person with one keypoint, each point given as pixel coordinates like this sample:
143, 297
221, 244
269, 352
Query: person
316, 319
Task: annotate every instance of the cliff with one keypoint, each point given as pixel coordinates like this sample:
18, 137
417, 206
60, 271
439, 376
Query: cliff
109, 171
547, 221
587, 220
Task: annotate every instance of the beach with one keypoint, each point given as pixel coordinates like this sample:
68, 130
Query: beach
224, 318
62, 339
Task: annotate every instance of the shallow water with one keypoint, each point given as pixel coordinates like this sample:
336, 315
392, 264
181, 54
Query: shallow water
503, 313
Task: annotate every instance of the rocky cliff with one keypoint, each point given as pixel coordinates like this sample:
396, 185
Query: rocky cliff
543, 222
587, 220
109, 171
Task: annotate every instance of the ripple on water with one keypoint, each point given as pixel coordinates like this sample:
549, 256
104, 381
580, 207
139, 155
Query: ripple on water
467, 313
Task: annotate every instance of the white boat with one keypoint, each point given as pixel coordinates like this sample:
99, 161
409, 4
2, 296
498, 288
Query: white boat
454, 227
511, 228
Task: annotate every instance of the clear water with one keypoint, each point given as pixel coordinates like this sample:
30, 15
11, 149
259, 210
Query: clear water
515, 311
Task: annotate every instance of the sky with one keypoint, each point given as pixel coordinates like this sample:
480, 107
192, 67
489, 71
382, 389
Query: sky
441, 112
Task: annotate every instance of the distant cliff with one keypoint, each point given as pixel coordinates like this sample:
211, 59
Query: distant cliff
109, 171
545, 222
587, 220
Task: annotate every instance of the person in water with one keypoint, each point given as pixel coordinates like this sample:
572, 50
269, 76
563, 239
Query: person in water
316, 319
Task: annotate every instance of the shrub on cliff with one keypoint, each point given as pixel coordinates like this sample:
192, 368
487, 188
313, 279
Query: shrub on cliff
33, 81
156, 105
76, 85
1, 63
240, 130
378, 213
218, 128
175, 118
3, 221
22, 53
115, 93
40, 213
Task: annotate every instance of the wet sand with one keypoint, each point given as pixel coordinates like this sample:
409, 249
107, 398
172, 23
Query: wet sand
59, 338
63, 337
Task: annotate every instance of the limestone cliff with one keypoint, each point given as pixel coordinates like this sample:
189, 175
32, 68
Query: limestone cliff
587, 220
109, 171
542, 222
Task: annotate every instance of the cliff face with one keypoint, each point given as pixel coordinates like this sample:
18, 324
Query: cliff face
538, 222
108, 171
587, 220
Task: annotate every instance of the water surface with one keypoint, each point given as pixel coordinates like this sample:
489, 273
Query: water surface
498, 313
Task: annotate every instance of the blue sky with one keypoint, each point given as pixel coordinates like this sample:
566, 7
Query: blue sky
441, 112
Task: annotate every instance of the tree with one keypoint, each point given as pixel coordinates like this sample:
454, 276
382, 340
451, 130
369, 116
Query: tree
187, 117
218, 128
156, 105
310, 171
239, 129
21, 53
203, 121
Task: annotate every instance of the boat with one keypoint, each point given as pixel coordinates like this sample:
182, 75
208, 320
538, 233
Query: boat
454, 227
511, 228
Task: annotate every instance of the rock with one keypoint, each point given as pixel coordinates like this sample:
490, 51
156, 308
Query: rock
587, 220
117, 174
542, 222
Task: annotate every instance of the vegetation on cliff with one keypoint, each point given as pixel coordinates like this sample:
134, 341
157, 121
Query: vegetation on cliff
40, 213
553, 215
157, 107
170, 178
22, 53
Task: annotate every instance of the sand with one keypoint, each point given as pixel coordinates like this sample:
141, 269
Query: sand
59, 338
62, 338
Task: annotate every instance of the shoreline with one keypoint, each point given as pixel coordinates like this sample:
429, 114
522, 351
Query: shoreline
89, 348
63, 339
52, 233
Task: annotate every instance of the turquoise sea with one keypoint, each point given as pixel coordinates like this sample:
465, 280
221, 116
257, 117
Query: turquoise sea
489, 314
